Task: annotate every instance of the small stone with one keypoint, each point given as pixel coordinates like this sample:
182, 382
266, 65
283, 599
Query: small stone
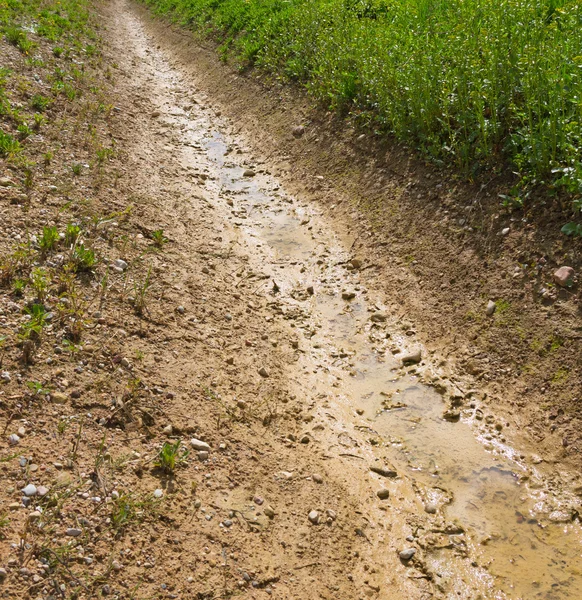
430, 508
58, 397
34, 515
227, 523
298, 131
331, 514
317, 478
74, 532
5, 376
199, 445
451, 415
356, 263
379, 317
505, 231
383, 494
158, 493
181, 309
203, 455
313, 516
563, 276
491, 308
407, 554
29, 490
310, 290
249, 173
41, 490
348, 295
120, 264
263, 372
3, 574
269, 512
412, 357
230, 360
13, 439
168, 429
384, 472
305, 439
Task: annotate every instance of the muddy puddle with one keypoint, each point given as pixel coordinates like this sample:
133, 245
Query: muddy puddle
505, 535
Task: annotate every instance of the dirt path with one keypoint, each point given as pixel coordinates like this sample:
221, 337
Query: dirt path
331, 454
271, 285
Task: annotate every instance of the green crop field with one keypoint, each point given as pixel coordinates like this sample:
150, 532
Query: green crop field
473, 83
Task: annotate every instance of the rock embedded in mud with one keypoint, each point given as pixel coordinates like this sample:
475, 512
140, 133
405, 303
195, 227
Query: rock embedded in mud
491, 308
249, 173
451, 415
199, 445
317, 478
413, 357
383, 494
269, 512
298, 131
379, 317
263, 372
563, 276
430, 508
407, 554
356, 263
384, 471
348, 295
58, 397
313, 516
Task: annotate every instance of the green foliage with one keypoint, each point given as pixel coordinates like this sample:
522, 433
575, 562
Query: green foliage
39, 102
40, 283
159, 238
170, 456
17, 37
83, 258
8, 145
72, 232
48, 240
474, 83
34, 327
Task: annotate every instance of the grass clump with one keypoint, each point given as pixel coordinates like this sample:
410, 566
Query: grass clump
171, 456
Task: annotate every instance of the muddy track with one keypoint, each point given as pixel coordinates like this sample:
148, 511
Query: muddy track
342, 472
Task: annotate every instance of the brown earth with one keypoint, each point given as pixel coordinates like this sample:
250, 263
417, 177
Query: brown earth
193, 334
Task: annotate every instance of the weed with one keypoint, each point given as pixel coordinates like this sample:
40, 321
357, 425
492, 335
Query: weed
39, 121
159, 238
104, 154
58, 51
47, 157
17, 37
40, 282
502, 306
34, 327
171, 456
141, 291
18, 286
560, 376
39, 102
8, 145
72, 233
77, 169
24, 130
38, 388
83, 258
130, 508
48, 240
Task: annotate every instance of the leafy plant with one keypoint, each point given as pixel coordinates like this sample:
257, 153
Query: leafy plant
171, 456
77, 169
573, 229
34, 327
48, 240
18, 286
159, 238
8, 145
39, 102
38, 388
72, 233
83, 258
40, 283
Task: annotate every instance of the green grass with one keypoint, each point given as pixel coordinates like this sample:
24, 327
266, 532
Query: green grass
478, 84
